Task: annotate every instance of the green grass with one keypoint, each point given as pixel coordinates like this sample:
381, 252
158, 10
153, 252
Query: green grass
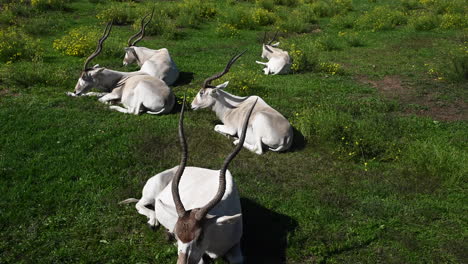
377, 173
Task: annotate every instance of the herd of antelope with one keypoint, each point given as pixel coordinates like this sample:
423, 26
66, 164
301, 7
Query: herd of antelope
200, 207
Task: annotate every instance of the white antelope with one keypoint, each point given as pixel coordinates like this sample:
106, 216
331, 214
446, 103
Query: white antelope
138, 92
157, 63
279, 61
206, 216
267, 126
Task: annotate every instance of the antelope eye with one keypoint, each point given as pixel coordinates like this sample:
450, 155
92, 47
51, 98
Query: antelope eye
201, 92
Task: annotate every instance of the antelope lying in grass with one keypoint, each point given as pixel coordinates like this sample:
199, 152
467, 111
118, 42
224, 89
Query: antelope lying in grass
267, 126
157, 63
206, 215
138, 92
279, 61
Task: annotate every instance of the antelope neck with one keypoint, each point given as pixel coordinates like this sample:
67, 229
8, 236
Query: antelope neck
225, 102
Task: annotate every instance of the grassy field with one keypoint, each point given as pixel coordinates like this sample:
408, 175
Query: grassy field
378, 99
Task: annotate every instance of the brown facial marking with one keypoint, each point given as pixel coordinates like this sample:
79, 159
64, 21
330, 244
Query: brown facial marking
187, 227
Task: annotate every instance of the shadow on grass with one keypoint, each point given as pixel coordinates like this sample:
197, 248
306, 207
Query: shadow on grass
184, 79
299, 141
265, 234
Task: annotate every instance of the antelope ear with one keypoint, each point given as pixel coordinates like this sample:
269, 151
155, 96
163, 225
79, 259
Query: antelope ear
96, 66
275, 44
232, 219
223, 220
221, 86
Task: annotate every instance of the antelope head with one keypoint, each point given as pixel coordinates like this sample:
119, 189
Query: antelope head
130, 53
206, 97
267, 47
89, 77
193, 226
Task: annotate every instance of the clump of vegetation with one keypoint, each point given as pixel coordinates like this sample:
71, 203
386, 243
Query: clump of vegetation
78, 42
227, 30
49, 4
242, 82
424, 21
286, 2
330, 68
10, 12
411, 4
381, 18
301, 61
343, 21
453, 21
433, 157
266, 4
328, 43
356, 138
458, 68
161, 25
191, 13
241, 18
354, 39
327, 8
41, 25
16, 45
120, 13
7, 17
295, 21
262, 17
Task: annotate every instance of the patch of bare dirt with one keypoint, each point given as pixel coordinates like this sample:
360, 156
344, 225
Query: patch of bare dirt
426, 104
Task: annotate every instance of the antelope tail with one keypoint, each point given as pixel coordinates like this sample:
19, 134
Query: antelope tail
129, 200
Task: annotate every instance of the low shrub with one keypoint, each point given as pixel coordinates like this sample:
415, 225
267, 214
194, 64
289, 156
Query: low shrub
78, 42
303, 59
266, 4
411, 4
286, 2
381, 18
82, 41
240, 18
454, 21
447, 6
296, 21
262, 17
353, 39
433, 157
330, 68
12, 10
343, 21
242, 82
161, 25
7, 17
120, 13
41, 25
227, 30
16, 45
328, 43
308, 14
49, 4
457, 69
191, 13
423, 21
358, 138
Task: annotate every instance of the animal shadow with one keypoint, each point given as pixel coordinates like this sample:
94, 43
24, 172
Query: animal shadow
265, 234
299, 141
184, 78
